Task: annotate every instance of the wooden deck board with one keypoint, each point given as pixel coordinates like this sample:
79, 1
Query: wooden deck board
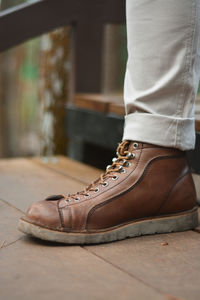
22, 182
138, 268
173, 269
34, 270
104, 103
71, 168
114, 103
9, 217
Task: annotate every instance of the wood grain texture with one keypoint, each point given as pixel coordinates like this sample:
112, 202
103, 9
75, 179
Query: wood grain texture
75, 170
36, 270
197, 125
114, 103
151, 267
173, 269
22, 182
197, 114
105, 103
92, 101
117, 108
9, 217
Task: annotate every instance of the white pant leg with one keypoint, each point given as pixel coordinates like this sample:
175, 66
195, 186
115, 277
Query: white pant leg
162, 72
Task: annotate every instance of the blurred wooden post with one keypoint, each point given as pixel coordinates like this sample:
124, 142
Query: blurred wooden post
54, 90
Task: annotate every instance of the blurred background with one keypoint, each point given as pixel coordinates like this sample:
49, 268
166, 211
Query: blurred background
37, 84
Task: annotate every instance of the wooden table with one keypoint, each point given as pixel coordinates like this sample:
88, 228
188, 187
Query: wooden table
136, 269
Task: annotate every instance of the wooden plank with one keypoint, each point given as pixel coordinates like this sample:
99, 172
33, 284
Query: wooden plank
197, 125
39, 270
114, 103
197, 114
22, 182
96, 102
105, 103
72, 169
35, 269
173, 269
9, 217
138, 268
117, 108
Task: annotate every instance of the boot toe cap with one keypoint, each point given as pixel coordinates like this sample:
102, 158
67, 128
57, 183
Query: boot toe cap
45, 214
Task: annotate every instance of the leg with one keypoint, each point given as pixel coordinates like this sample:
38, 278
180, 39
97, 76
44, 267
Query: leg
163, 71
148, 188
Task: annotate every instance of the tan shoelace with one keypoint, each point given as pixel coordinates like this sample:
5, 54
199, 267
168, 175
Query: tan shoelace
117, 166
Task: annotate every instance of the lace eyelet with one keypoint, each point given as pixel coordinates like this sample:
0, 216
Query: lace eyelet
127, 164
77, 199
108, 167
131, 155
96, 190
67, 200
87, 195
122, 170
114, 159
105, 184
115, 177
135, 145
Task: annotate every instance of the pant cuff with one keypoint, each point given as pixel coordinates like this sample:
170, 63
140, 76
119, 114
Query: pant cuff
160, 130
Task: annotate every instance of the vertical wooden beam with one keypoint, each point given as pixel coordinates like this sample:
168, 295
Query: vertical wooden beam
53, 94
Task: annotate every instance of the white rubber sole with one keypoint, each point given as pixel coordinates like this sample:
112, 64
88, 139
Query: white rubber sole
166, 224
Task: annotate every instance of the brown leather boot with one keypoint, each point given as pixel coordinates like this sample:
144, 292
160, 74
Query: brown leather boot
148, 189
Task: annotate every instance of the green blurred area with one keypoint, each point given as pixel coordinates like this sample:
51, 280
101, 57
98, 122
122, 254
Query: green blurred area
28, 79
29, 69
27, 73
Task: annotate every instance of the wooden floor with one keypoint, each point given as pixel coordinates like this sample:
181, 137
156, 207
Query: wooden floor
137, 269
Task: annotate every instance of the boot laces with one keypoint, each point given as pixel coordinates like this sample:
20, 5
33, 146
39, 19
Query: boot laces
123, 155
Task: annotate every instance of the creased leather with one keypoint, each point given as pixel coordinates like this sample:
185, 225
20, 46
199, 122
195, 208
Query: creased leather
157, 182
